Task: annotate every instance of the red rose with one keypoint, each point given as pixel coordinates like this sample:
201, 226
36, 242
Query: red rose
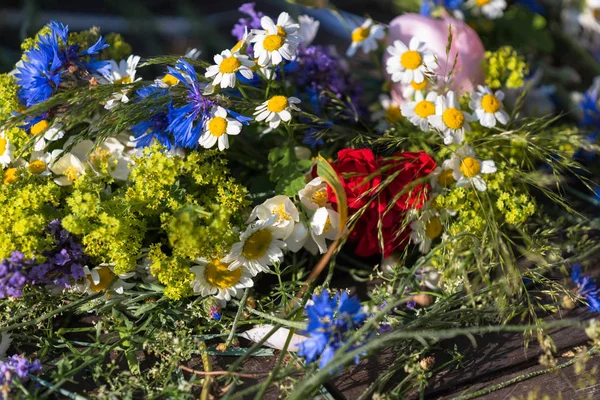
410, 166
394, 232
354, 168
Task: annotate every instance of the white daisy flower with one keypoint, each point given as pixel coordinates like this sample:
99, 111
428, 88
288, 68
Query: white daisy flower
488, 107
413, 88
282, 209
389, 115
467, 169
39, 162
120, 74
277, 109
99, 279
6, 150
449, 119
242, 44
314, 195
491, 9
308, 29
275, 42
324, 224
365, 37
442, 177
408, 64
426, 229
419, 111
259, 247
218, 128
52, 134
227, 65
214, 278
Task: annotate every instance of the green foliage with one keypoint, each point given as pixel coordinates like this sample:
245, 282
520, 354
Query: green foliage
524, 30
287, 171
505, 68
27, 205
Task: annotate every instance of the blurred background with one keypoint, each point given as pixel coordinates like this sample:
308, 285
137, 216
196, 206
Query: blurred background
160, 27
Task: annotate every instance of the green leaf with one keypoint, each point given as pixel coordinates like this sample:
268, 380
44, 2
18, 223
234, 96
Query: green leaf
287, 171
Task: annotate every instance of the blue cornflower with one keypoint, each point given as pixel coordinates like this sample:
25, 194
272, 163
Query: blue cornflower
41, 74
428, 5
330, 322
590, 108
186, 122
586, 288
156, 129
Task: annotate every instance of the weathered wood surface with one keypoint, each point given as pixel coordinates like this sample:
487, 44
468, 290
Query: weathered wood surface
496, 359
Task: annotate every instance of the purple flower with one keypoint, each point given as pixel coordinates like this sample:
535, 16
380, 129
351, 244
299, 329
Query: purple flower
249, 23
14, 275
19, 366
64, 262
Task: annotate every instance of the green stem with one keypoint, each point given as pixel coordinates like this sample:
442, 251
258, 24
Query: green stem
282, 321
237, 318
205, 394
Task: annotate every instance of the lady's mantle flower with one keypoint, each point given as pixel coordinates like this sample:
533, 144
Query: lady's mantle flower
276, 42
409, 64
586, 288
277, 109
467, 170
40, 76
218, 128
330, 322
449, 119
215, 278
488, 107
227, 65
365, 37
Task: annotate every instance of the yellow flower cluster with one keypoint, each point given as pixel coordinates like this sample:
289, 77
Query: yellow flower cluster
505, 68
28, 204
8, 96
173, 272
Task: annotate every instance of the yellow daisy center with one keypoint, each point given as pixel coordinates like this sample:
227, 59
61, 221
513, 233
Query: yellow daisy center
273, 42
106, 276
170, 80
39, 127
481, 3
393, 113
433, 228
411, 59
360, 34
419, 86
257, 244
217, 275
281, 32
71, 173
217, 126
238, 46
453, 118
229, 65
470, 167
277, 104
490, 103
282, 215
3, 145
10, 176
37, 167
320, 197
445, 178
424, 108
124, 80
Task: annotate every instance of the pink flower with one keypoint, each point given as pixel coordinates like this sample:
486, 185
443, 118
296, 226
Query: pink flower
468, 72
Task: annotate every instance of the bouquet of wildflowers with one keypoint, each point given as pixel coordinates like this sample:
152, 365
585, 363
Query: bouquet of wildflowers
282, 200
